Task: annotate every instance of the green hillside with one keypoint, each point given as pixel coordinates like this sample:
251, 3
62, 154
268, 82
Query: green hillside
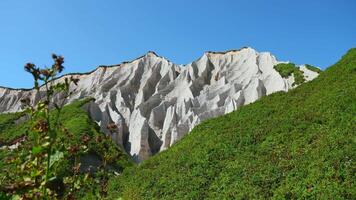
79, 127
295, 145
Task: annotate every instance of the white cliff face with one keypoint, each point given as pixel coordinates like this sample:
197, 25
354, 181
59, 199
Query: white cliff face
154, 102
308, 74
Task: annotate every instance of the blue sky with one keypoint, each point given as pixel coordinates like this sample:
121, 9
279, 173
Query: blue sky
92, 32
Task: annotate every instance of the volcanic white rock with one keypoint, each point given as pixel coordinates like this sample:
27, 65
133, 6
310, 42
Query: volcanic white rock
155, 102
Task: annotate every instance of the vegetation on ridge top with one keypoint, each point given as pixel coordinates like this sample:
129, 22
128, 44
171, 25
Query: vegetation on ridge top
314, 69
287, 69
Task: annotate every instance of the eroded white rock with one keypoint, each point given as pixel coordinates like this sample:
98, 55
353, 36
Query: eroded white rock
154, 102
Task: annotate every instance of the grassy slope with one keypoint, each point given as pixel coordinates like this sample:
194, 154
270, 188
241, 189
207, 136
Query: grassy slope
299, 144
75, 119
8, 128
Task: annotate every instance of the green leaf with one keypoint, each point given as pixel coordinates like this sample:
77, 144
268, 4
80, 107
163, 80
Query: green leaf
15, 197
55, 158
77, 184
27, 179
46, 144
35, 173
36, 150
52, 179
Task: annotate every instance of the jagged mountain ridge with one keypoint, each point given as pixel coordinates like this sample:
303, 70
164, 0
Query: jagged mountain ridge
155, 102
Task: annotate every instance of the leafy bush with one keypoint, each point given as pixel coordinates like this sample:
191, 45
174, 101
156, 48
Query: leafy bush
295, 145
298, 77
287, 69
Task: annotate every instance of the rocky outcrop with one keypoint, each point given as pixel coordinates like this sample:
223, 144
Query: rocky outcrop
154, 102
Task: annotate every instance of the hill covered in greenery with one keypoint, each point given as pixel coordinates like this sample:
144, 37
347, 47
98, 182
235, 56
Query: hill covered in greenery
299, 144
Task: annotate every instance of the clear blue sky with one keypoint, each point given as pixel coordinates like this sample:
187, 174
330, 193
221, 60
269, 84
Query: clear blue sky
93, 32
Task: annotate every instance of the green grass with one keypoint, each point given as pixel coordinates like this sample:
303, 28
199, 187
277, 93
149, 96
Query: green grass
77, 121
287, 69
9, 130
314, 69
295, 145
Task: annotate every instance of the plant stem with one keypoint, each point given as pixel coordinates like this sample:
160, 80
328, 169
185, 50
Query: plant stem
49, 150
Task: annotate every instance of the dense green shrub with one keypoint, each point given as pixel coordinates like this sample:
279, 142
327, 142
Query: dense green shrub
314, 69
287, 69
298, 77
295, 145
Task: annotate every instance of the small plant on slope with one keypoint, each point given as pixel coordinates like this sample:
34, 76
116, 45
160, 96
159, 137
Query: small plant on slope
312, 68
56, 145
37, 168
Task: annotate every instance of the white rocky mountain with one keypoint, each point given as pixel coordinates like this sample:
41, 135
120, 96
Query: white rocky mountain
154, 102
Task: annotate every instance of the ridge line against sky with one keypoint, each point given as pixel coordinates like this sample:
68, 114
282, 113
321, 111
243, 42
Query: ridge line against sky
124, 62
90, 33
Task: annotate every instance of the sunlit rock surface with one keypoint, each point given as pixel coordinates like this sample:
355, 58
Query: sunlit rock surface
154, 102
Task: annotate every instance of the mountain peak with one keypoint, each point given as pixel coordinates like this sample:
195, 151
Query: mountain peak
152, 54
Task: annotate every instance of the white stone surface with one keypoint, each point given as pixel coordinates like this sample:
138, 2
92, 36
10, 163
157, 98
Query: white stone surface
155, 102
308, 74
